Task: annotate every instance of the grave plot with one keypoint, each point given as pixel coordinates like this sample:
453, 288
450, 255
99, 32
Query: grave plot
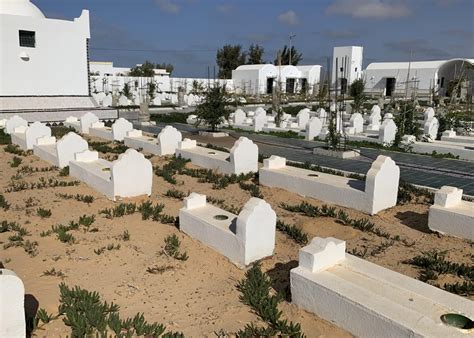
379, 191
27, 137
82, 124
14, 122
165, 144
465, 151
451, 215
369, 300
115, 133
12, 310
243, 157
451, 136
128, 176
242, 238
60, 153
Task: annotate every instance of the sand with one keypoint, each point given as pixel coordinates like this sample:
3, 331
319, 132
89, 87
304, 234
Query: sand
197, 297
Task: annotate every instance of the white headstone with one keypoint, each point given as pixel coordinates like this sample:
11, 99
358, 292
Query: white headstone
430, 128
448, 197
357, 122
302, 118
120, 128
107, 101
35, 131
86, 121
387, 131
322, 253
169, 139
123, 101
132, 174
13, 122
239, 117
12, 305
428, 114
259, 120
68, 146
313, 128
381, 183
244, 156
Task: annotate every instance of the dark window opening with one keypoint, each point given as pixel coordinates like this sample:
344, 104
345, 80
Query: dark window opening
290, 86
269, 85
390, 86
356, 69
343, 85
304, 85
27, 39
442, 82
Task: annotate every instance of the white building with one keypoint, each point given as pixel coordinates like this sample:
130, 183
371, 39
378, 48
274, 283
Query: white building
41, 56
261, 79
395, 78
346, 66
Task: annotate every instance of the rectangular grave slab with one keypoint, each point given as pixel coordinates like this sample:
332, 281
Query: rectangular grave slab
377, 193
82, 124
465, 151
242, 238
60, 153
451, 215
12, 305
129, 176
26, 137
368, 300
243, 157
165, 144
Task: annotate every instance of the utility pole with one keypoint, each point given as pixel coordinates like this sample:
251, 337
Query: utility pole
291, 37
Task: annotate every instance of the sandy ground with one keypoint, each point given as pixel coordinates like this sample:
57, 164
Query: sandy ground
198, 296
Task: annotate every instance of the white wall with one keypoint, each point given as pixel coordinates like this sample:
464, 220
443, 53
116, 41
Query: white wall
352, 68
56, 66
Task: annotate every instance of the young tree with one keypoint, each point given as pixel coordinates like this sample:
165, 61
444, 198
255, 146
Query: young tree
126, 91
255, 55
285, 56
168, 66
228, 58
357, 93
151, 90
214, 108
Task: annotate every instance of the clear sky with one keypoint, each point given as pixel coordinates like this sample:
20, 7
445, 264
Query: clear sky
187, 33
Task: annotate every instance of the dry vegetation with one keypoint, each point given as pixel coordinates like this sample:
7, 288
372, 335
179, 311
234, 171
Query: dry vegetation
56, 230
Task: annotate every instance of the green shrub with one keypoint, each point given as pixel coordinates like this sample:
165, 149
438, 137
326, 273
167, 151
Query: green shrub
64, 171
15, 162
172, 244
43, 213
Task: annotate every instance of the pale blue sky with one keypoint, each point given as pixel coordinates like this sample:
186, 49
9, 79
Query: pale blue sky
187, 33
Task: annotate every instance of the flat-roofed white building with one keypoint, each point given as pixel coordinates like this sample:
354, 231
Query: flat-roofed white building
346, 66
255, 79
310, 76
41, 56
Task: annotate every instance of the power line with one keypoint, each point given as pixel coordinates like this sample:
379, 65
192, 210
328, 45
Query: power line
155, 50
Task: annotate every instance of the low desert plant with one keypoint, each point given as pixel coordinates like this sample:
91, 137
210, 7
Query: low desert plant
293, 232
53, 272
173, 193
64, 171
172, 244
255, 292
125, 236
252, 188
15, 162
3, 203
159, 269
80, 198
16, 150
43, 213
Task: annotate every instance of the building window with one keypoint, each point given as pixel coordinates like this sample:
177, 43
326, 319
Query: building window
356, 69
27, 39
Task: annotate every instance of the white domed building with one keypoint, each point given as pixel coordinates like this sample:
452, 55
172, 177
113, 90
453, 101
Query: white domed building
42, 57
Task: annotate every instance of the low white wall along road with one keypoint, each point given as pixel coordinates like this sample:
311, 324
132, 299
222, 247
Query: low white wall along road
368, 300
243, 238
377, 193
451, 215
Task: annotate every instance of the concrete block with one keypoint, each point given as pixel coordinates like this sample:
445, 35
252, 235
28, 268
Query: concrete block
371, 301
377, 193
12, 305
13, 122
129, 176
322, 253
274, 162
451, 215
242, 238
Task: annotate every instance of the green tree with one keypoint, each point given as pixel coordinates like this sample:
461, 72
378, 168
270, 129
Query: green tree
357, 93
214, 108
151, 90
126, 91
255, 55
285, 56
147, 69
228, 58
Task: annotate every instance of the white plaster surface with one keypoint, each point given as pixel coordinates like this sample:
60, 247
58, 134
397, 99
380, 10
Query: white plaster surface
13, 122
129, 176
371, 301
60, 153
451, 215
26, 138
165, 144
243, 239
12, 305
377, 193
243, 157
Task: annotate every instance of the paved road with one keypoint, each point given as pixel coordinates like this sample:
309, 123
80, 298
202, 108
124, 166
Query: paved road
417, 169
